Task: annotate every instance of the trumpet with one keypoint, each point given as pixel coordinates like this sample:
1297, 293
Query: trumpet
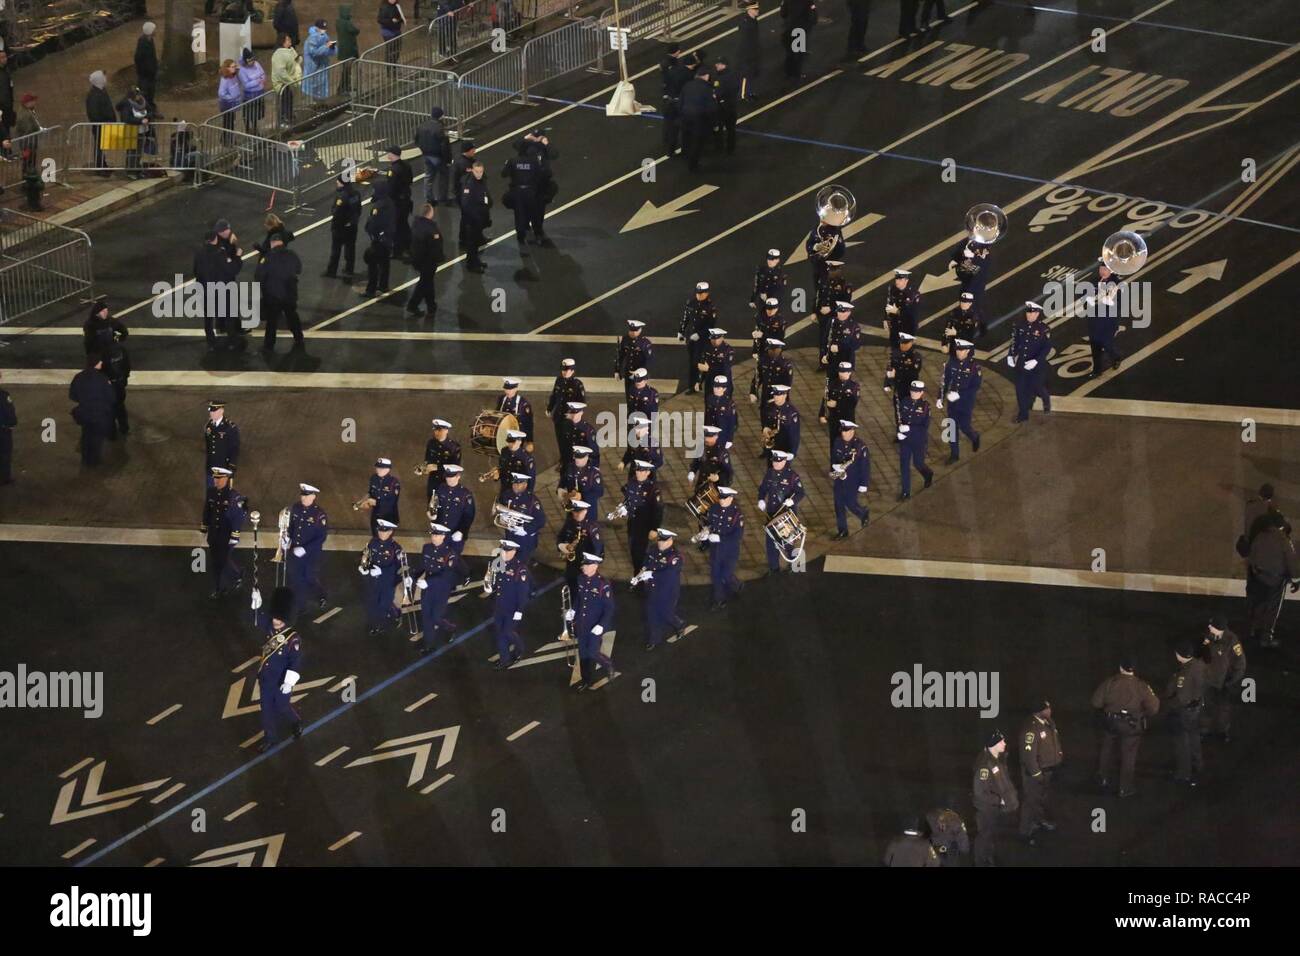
838, 474
619, 512
365, 504
424, 467
431, 512
364, 566
491, 474
769, 437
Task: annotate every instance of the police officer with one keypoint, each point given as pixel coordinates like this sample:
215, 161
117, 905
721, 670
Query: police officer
1183, 699
521, 499
961, 384
634, 352
305, 544
1040, 756
1125, 703
382, 494
220, 441
995, 797
801, 16
726, 93
781, 423
699, 112
1031, 343
768, 324
842, 340
580, 532
8, 422
279, 669
528, 175
963, 322
1103, 321
426, 256
345, 216
780, 489
948, 833
910, 848
117, 366
902, 302
643, 507
514, 589
567, 388
904, 366
698, 317
582, 480
381, 227
400, 177
439, 451
850, 477
277, 271
223, 517
1271, 564
215, 264
456, 508
971, 263
101, 329
460, 171
716, 357
1225, 668
839, 399
512, 403
514, 460
675, 73
913, 437
380, 563
831, 288
93, 394
441, 569
724, 529
720, 410
769, 282
538, 145
592, 615
475, 215
661, 574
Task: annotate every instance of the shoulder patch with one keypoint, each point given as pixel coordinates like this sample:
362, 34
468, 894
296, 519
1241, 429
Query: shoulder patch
984, 774
1029, 738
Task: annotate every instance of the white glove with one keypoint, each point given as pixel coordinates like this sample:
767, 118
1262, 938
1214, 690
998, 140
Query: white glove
619, 375
257, 599
953, 396
904, 428
376, 572
519, 532
892, 309
901, 436
284, 544
422, 584
519, 616
1011, 360
680, 337
715, 538
300, 552
407, 582
597, 630
362, 571
950, 332
570, 614
835, 348
290, 678
968, 253
728, 445
756, 334
233, 541
952, 263
753, 398
690, 476
788, 503
762, 505
938, 403
457, 536
695, 336
862, 489
1031, 365
889, 373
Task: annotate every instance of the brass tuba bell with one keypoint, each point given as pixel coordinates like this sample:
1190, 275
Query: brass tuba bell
1124, 253
986, 223
836, 205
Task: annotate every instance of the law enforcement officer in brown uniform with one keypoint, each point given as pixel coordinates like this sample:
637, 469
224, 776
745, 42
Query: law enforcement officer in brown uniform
1184, 697
948, 833
910, 848
1225, 666
1125, 703
1040, 755
995, 796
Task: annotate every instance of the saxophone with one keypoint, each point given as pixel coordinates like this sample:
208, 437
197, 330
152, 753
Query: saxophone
571, 549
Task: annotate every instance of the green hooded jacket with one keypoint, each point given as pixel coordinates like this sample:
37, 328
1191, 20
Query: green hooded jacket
347, 33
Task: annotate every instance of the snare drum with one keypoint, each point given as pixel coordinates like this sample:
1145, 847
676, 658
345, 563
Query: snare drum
488, 434
787, 533
698, 505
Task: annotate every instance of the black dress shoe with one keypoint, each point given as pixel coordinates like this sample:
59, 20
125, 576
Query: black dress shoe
929, 480
500, 665
581, 686
953, 459
839, 535
263, 746
649, 646
297, 730
904, 496
864, 519
1047, 825
975, 443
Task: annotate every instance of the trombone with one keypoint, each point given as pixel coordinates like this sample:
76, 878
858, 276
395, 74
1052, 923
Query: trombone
282, 546
408, 599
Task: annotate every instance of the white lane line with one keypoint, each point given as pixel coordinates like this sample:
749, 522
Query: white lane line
330, 756
339, 844
1176, 411
74, 768
437, 783
158, 718
79, 847
244, 666
419, 703
523, 730
240, 812
327, 615
168, 792
350, 679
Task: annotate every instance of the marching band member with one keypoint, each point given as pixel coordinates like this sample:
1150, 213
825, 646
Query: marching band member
716, 357
1031, 344
567, 388
580, 432
455, 506
913, 436
773, 369
781, 488
725, 526
832, 288
644, 397
720, 410
512, 403
223, 517
972, 265
521, 498
842, 339
904, 366
514, 588
308, 528
580, 532
833, 257
640, 444
380, 563
515, 459
768, 324
698, 317
592, 615
714, 464
963, 322
634, 351
769, 281
902, 302
441, 569
280, 668
782, 421
839, 400
643, 507
581, 479
1103, 320
661, 573
382, 493
961, 384
439, 451
220, 441
850, 477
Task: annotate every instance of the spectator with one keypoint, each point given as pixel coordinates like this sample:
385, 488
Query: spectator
391, 24
229, 96
285, 20
286, 71
183, 154
347, 33
133, 110
28, 126
447, 27
316, 57
252, 83
7, 117
274, 226
99, 109
435, 144
146, 66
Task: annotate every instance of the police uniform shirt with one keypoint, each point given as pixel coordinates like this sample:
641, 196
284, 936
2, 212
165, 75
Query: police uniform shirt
947, 831
726, 522
475, 201
594, 604
666, 565
720, 410
962, 377
384, 554
456, 508
993, 789
1040, 746
385, 490
644, 400
1030, 341
777, 486
1126, 694
633, 353
1186, 687
441, 453
697, 318
1227, 660
910, 850
346, 212
308, 526
437, 559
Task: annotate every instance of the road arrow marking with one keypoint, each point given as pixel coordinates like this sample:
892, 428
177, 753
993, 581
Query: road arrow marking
421, 746
649, 214
1198, 274
932, 283
232, 708
800, 254
243, 854
93, 801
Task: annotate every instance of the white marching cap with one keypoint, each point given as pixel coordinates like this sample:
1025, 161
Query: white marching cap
906, 336
963, 344
638, 418
665, 533
385, 524
643, 465
510, 382
452, 469
581, 451
780, 389
771, 302
577, 504
701, 287
441, 423
846, 366
436, 528
308, 489
968, 296
725, 492
508, 544
712, 430
568, 363
902, 273
781, 455
517, 476
635, 324
846, 425
589, 558
641, 373
774, 253
775, 343
513, 434
717, 333
383, 463
918, 386
577, 406
843, 306
720, 380
1033, 307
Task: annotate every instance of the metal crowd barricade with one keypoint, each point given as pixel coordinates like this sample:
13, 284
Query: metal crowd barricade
379, 83
652, 17
136, 150
316, 94
28, 154
463, 31
396, 122
576, 46
495, 82
40, 263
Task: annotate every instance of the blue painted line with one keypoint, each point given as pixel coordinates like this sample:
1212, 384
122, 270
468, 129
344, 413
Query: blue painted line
336, 712
1141, 23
